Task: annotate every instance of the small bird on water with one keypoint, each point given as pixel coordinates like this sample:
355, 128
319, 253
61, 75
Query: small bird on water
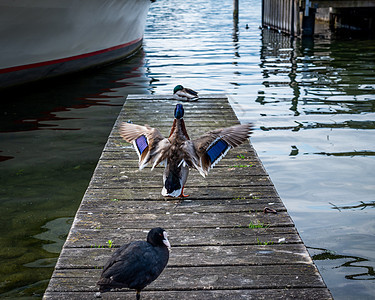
137, 264
177, 152
184, 94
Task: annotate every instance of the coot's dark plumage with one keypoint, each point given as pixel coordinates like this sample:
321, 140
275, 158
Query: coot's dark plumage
137, 264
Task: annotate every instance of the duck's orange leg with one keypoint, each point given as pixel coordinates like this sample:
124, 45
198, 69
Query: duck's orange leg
182, 193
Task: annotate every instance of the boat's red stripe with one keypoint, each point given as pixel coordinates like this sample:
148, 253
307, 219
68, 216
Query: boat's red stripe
61, 60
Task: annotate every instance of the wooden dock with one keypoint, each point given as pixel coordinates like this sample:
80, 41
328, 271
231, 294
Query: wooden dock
223, 244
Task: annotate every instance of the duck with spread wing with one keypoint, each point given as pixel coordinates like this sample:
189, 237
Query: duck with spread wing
177, 152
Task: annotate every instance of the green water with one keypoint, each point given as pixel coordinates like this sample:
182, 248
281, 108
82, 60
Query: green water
312, 103
51, 137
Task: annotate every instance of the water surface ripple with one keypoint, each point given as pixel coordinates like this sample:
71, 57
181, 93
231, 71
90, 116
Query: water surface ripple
313, 104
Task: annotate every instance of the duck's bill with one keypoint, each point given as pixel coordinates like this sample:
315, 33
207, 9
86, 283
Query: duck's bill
165, 240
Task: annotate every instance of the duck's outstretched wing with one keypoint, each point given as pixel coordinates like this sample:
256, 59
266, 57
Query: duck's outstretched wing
148, 142
206, 151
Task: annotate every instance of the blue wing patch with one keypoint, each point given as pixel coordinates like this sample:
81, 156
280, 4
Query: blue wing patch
141, 144
217, 149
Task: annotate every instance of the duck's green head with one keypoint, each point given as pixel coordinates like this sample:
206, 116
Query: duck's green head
177, 88
179, 111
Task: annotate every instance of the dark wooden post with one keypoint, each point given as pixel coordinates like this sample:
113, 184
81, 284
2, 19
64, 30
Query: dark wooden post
235, 10
292, 20
308, 23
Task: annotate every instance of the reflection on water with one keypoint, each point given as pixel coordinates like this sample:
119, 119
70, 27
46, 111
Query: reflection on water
358, 271
55, 234
318, 100
321, 79
312, 101
354, 153
360, 206
51, 136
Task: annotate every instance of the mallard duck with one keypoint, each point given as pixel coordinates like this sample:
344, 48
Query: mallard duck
137, 264
184, 94
178, 152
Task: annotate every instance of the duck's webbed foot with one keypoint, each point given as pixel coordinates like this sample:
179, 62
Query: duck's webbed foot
182, 194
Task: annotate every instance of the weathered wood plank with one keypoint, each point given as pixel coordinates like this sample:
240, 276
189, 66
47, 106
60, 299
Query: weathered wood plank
226, 167
212, 277
116, 205
121, 151
178, 220
230, 169
117, 144
79, 237
235, 169
233, 255
275, 294
157, 181
153, 193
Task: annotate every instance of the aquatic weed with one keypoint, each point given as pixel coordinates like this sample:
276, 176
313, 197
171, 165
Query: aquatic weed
109, 242
239, 198
264, 243
258, 225
242, 166
20, 172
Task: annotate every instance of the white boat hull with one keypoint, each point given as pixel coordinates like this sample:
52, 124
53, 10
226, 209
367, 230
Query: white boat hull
46, 38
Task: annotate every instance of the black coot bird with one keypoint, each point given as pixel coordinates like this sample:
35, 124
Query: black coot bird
137, 264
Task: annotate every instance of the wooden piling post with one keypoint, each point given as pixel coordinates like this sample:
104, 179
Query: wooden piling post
292, 21
235, 10
308, 23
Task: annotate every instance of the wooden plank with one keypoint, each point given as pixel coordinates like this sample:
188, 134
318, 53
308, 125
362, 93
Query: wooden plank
232, 255
276, 294
229, 168
119, 148
116, 205
179, 220
90, 238
201, 278
153, 193
224, 245
156, 180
